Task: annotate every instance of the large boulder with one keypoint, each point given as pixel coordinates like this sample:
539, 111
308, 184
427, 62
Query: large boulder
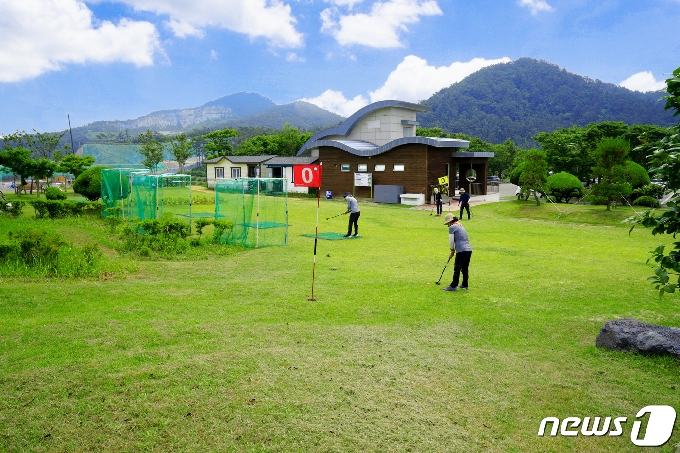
633, 335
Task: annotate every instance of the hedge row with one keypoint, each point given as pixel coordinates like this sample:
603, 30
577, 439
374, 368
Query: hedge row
63, 208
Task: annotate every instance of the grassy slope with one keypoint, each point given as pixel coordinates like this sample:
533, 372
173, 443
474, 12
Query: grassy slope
229, 355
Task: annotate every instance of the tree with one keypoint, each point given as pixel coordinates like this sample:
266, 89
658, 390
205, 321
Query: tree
610, 169
217, 143
666, 164
504, 153
285, 142
44, 144
18, 161
151, 149
89, 183
636, 175
181, 150
75, 165
535, 169
563, 186
567, 150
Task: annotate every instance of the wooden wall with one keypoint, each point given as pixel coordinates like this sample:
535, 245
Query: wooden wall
422, 166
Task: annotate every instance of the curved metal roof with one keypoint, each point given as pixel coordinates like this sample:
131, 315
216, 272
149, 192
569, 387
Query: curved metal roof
346, 126
365, 149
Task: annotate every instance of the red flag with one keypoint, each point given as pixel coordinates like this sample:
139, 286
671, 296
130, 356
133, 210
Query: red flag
307, 175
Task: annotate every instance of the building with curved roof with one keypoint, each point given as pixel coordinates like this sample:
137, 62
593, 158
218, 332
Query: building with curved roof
380, 139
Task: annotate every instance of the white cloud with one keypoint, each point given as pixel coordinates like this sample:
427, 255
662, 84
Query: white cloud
643, 81
213, 54
536, 6
381, 26
183, 29
269, 19
414, 80
335, 101
37, 36
292, 57
349, 3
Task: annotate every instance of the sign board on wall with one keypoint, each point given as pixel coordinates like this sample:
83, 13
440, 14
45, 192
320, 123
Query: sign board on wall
363, 179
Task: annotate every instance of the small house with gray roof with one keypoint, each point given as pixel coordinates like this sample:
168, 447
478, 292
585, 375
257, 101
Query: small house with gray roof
235, 167
381, 139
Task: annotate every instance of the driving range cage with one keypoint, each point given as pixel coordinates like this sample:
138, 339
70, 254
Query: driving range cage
155, 195
116, 190
258, 208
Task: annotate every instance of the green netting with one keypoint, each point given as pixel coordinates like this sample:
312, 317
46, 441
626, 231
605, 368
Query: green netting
155, 195
258, 208
116, 184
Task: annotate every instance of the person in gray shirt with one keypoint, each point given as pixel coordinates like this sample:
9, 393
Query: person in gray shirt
459, 245
354, 213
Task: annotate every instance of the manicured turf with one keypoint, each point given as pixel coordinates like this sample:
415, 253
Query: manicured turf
228, 354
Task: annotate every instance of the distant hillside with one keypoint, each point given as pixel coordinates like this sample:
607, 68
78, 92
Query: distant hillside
235, 110
519, 99
300, 114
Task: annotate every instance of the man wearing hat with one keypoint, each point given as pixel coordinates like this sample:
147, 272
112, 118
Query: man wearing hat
459, 244
463, 202
353, 211
438, 201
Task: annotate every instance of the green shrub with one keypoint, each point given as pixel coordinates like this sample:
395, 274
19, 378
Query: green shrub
636, 174
89, 183
563, 187
648, 190
14, 208
55, 209
54, 193
649, 202
165, 235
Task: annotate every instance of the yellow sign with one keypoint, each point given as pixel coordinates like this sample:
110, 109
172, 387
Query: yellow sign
444, 180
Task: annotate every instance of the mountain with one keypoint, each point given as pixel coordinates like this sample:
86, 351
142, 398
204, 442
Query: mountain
299, 114
235, 110
233, 106
519, 99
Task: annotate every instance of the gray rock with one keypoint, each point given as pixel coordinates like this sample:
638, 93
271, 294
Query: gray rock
633, 335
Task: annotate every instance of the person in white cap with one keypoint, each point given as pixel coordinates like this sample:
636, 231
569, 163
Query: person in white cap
459, 244
438, 201
354, 213
464, 203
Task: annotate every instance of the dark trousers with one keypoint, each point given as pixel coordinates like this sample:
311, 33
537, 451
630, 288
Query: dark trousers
466, 207
460, 266
439, 206
353, 218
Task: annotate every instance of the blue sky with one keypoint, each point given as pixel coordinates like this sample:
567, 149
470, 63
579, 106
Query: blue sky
106, 60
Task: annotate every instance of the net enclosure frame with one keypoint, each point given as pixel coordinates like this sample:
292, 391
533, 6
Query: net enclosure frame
258, 209
116, 185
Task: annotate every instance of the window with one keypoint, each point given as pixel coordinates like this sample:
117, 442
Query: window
398, 167
362, 167
380, 167
219, 172
235, 172
344, 167
277, 172
253, 171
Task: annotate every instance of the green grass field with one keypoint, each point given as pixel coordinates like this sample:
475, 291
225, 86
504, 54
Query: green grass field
226, 353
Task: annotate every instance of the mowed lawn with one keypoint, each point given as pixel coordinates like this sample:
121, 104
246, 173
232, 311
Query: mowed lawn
228, 354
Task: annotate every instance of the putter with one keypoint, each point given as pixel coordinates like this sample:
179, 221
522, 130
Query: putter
328, 218
438, 282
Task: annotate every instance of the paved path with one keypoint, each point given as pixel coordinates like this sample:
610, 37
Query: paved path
507, 193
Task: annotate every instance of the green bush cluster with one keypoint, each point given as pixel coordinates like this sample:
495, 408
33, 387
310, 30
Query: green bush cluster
46, 253
194, 200
55, 209
165, 235
649, 202
89, 183
636, 174
14, 208
563, 186
54, 193
648, 190
220, 227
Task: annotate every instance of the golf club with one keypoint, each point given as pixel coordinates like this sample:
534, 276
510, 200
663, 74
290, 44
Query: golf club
438, 282
328, 218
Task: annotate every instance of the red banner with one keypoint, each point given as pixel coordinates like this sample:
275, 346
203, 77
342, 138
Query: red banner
307, 175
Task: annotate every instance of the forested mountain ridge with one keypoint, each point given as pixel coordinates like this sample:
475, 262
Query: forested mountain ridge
517, 100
